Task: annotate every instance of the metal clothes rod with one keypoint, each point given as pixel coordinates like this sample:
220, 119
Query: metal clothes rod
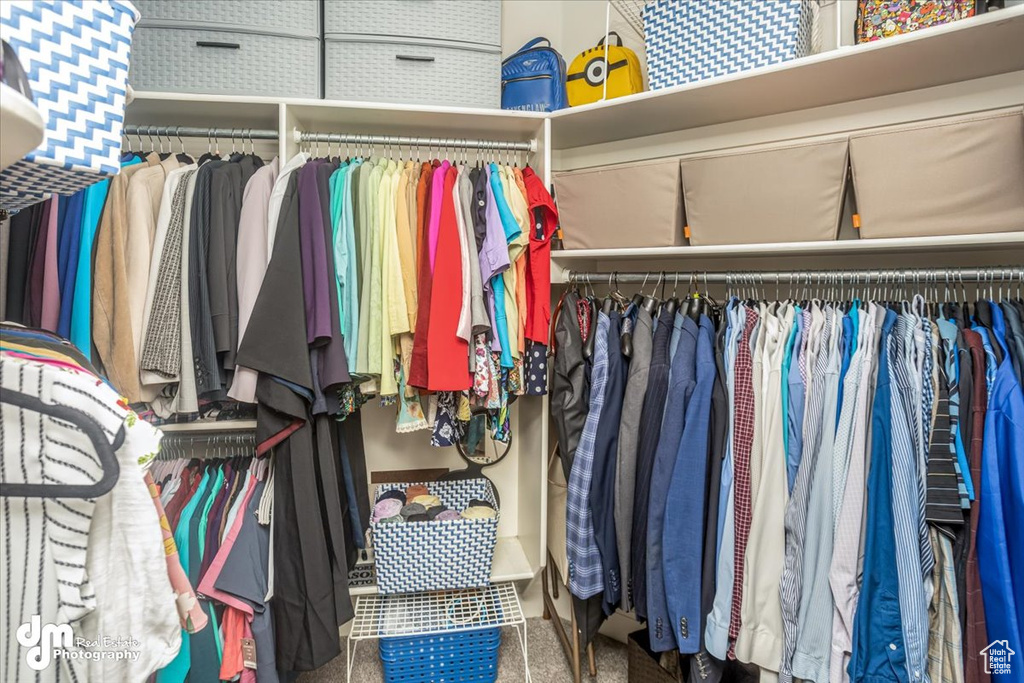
195, 132
404, 141
930, 276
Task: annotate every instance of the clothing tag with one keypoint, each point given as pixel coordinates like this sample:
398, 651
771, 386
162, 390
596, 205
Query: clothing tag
248, 653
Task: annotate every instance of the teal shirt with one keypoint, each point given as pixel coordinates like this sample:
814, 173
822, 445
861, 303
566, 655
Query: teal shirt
177, 670
512, 231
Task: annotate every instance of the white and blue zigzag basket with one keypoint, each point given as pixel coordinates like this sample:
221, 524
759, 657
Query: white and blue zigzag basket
75, 54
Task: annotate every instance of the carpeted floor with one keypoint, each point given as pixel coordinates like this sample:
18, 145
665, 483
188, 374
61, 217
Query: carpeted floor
547, 662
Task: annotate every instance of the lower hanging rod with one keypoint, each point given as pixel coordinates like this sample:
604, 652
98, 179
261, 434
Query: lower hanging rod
195, 132
404, 141
930, 276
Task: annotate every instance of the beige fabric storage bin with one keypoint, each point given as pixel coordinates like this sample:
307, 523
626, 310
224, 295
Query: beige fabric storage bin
628, 205
791, 192
958, 175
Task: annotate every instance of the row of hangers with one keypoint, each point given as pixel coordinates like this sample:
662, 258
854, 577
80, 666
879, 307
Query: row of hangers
182, 446
445, 148
212, 144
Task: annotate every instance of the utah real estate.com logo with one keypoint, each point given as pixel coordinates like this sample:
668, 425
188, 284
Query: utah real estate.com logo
41, 640
997, 657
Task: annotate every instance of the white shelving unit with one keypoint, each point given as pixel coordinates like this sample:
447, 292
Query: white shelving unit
969, 65
442, 612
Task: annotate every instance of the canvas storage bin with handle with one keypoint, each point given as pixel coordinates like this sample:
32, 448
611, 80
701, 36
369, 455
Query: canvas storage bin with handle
951, 176
585, 82
691, 40
626, 205
885, 18
75, 54
415, 557
785, 192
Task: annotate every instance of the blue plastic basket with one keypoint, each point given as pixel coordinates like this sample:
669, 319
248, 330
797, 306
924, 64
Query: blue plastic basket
463, 657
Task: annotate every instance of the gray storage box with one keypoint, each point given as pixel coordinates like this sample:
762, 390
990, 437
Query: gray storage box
280, 17
951, 176
780, 192
628, 205
224, 63
412, 72
475, 21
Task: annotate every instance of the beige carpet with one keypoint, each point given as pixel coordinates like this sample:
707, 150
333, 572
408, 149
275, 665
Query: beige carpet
547, 663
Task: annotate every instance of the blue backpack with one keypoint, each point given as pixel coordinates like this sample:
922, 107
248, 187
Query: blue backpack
533, 79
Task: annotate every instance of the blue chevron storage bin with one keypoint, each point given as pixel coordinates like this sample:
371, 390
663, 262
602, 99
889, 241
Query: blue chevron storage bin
462, 657
691, 40
416, 557
75, 54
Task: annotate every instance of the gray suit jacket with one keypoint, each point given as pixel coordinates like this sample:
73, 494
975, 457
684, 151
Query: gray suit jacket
629, 424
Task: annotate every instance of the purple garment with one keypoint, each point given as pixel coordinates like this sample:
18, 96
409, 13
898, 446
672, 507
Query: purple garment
213, 519
332, 370
434, 222
493, 256
314, 258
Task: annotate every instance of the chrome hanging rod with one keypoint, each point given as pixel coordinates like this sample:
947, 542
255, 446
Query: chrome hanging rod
930, 276
194, 132
404, 141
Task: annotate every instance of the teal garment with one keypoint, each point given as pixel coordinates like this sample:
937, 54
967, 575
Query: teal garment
512, 231
787, 361
335, 187
81, 306
177, 670
204, 518
351, 285
345, 256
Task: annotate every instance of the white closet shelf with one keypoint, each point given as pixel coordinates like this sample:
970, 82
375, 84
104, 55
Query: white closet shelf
510, 564
211, 426
922, 245
987, 45
405, 119
451, 611
204, 111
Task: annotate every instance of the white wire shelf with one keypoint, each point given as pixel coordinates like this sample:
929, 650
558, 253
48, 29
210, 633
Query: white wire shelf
451, 611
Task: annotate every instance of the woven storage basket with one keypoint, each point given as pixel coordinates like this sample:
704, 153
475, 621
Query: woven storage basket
75, 55
415, 557
643, 665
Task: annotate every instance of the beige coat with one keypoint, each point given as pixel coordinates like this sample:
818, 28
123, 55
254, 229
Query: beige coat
111, 309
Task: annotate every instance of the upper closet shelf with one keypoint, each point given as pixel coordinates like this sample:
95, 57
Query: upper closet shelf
187, 109
987, 45
1010, 242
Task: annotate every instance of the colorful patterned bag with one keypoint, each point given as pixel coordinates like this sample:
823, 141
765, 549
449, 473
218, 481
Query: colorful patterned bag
884, 18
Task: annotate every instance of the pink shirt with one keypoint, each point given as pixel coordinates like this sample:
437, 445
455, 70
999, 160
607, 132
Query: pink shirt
434, 225
51, 286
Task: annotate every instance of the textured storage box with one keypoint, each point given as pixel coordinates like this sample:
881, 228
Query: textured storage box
628, 205
281, 17
885, 18
76, 56
643, 663
959, 175
467, 656
478, 21
225, 62
691, 40
412, 72
414, 557
790, 192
